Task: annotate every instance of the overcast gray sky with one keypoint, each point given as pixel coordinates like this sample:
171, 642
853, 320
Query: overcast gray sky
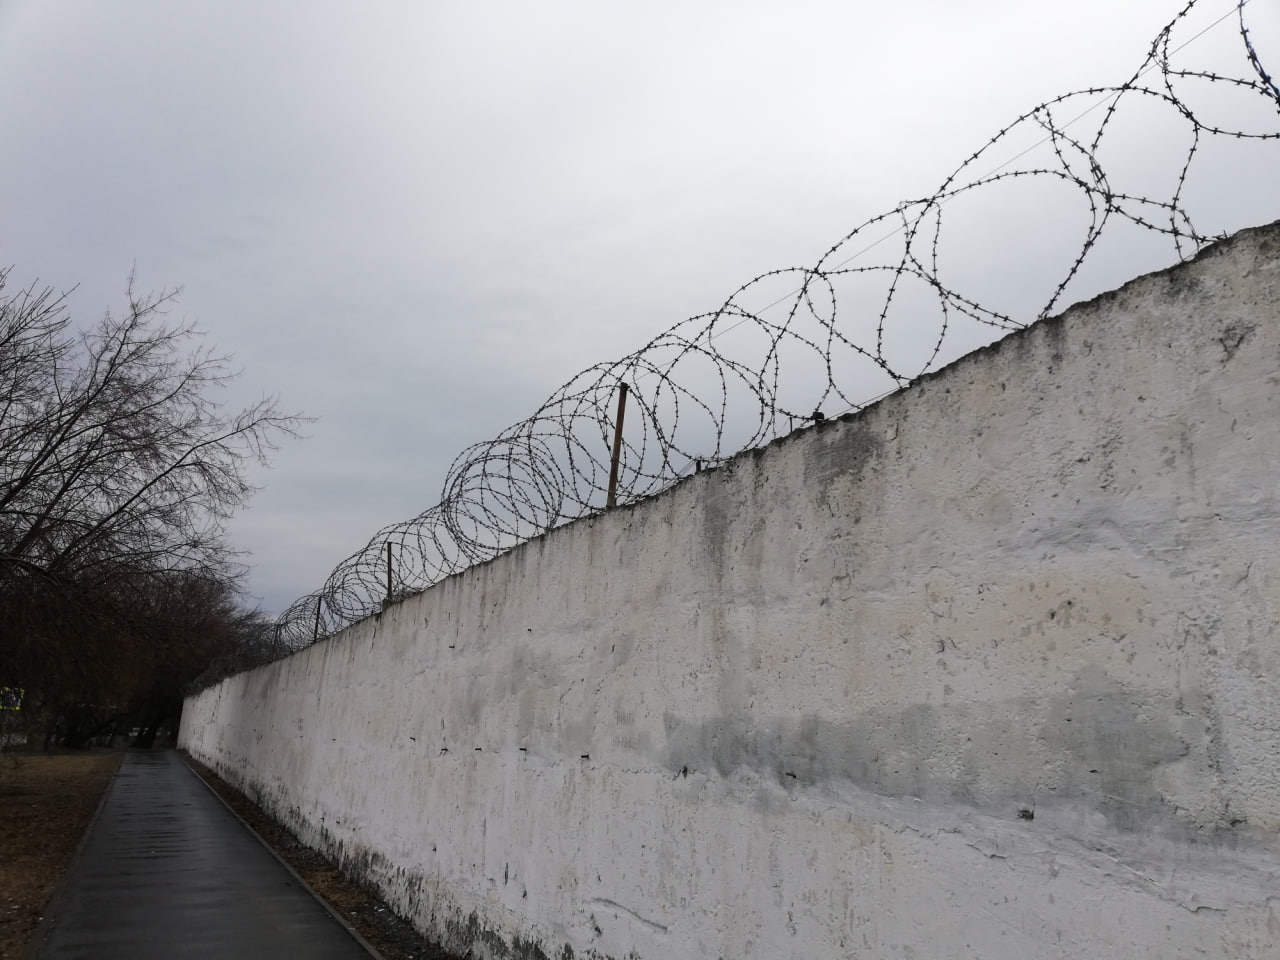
414, 220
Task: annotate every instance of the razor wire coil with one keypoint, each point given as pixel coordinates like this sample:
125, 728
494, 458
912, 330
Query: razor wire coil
553, 467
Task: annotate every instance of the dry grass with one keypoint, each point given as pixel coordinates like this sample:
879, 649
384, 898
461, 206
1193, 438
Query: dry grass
46, 801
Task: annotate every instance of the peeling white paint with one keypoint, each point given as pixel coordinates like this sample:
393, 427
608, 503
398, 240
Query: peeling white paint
989, 670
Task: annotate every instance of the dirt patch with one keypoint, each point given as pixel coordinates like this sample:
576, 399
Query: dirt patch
46, 801
376, 922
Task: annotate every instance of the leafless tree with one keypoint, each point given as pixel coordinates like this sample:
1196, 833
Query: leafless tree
113, 444
119, 467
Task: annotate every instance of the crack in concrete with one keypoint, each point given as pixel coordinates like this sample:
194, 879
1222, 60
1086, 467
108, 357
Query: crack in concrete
614, 905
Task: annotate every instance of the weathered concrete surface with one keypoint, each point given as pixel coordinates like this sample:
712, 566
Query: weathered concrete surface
991, 669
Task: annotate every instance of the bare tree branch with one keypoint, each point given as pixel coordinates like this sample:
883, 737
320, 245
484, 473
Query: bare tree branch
119, 467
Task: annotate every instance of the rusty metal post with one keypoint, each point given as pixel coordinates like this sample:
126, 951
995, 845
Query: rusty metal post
315, 633
388, 571
612, 499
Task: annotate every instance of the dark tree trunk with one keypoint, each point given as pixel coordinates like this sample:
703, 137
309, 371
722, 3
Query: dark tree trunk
146, 738
80, 731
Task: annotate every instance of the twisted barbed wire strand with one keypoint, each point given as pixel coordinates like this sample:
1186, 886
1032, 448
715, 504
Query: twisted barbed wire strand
553, 467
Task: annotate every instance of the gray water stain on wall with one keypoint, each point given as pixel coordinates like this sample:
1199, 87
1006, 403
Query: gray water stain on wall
844, 456
1099, 745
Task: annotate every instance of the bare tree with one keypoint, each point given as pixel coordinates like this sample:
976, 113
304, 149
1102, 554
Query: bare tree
112, 443
118, 470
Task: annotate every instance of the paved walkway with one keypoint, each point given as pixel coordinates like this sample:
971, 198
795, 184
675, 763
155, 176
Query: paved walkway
167, 871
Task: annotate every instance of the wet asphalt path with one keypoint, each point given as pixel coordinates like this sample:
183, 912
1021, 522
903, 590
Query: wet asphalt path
167, 871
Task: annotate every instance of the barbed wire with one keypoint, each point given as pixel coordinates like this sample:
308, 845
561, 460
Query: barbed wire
735, 378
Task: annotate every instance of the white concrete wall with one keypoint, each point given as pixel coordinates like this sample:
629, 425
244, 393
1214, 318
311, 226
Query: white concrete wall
990, 670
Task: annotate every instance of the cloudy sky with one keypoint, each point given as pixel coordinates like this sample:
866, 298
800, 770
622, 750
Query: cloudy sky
414, 220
